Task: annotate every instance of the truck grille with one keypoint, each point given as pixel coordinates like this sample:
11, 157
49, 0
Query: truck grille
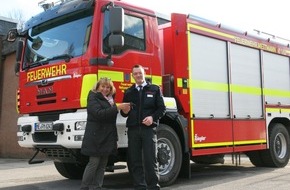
61, 155
44, 137
58, 153
46, 99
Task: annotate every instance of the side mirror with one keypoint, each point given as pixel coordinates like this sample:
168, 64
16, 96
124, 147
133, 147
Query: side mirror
116, 40
36, 43
12, 35
19, 51
116, 20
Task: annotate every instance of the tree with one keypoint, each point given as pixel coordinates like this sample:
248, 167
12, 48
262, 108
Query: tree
17, 14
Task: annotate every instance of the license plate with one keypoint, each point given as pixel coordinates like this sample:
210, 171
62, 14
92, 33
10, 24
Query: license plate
43, 126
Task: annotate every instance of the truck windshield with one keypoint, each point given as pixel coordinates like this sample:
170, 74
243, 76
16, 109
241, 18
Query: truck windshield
61, 38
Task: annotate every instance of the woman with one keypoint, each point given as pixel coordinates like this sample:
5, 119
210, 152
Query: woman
100, 139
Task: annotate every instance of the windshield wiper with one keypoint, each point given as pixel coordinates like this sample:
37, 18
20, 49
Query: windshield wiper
36, 64
65, 57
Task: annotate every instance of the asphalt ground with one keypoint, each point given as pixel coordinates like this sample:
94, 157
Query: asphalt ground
235, 173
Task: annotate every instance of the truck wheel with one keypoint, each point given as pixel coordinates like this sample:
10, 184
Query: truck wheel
255, 158
279, 143
69, 170
169, 154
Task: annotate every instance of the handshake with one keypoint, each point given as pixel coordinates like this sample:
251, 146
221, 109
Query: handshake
125, 107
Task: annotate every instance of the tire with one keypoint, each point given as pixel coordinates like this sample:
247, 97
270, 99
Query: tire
169, 154
255, 158
279, 144
70, 170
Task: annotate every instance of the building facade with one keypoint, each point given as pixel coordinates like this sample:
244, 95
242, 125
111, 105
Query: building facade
9, 147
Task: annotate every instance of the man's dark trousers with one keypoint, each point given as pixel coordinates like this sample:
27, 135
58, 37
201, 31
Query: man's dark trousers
138, 137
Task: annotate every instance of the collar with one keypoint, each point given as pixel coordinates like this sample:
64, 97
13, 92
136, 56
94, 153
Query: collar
143, 84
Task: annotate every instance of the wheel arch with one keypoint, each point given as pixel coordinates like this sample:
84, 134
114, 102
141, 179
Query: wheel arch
180, 125
283, 120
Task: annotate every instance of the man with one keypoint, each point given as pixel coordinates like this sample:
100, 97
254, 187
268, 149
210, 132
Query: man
143, 118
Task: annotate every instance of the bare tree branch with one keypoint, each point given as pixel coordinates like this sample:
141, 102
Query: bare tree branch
18, 15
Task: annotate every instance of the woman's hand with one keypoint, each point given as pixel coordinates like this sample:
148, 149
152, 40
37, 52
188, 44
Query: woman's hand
125, 107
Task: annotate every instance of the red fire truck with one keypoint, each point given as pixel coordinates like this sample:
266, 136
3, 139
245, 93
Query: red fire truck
226, 91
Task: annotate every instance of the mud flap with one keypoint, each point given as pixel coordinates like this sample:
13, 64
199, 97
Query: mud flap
185, 171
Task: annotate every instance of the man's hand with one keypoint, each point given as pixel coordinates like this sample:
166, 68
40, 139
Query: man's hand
148, 121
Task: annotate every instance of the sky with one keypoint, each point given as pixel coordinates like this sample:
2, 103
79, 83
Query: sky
270, 16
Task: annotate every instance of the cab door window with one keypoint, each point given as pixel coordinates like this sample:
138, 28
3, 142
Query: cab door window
134, 35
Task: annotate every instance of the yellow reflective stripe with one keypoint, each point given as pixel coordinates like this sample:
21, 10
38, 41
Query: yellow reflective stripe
210, 31
119, 76
157, 80
215, 86
179, 82
274, 92
205, 85
200, 145
196, 84
272, 110
261, 141
169, 104
283, 110
113, 75
245, 89
192, 128
87, 84
277, 110
203, 145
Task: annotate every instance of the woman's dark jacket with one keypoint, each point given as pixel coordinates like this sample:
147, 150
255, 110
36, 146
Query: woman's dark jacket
151, 103
101, 136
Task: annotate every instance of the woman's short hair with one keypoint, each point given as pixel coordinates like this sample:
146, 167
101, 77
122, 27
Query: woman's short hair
105, 81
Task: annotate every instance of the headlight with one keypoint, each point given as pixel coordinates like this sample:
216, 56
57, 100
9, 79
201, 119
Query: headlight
79, 137
80, 125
